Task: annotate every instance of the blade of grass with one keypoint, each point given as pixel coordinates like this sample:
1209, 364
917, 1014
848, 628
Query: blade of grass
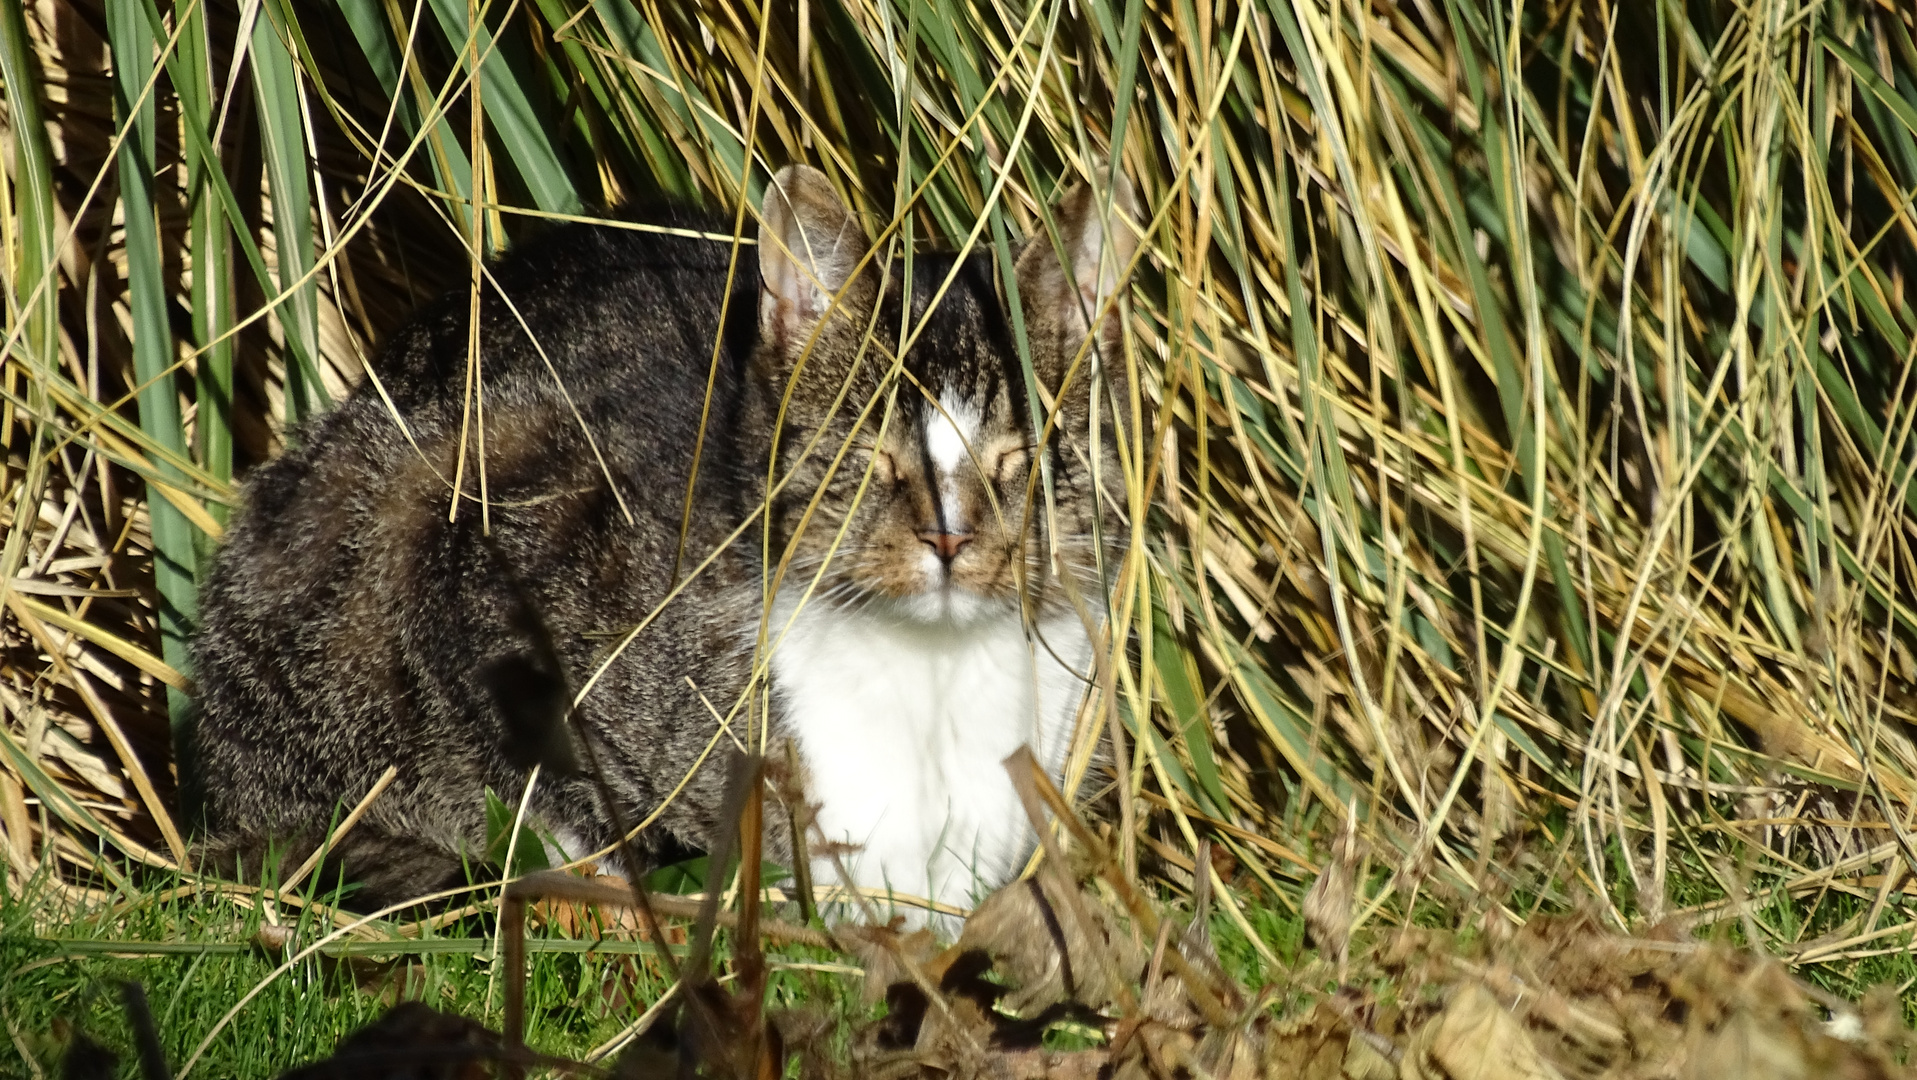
279, 105
211, 252
32, 293
175, 541
505, 83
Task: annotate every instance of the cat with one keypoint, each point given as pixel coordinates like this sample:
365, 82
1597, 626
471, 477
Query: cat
924, 616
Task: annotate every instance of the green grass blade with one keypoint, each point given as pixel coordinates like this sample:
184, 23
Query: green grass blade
32, 277
210, 249
383, 44
175, 541
282, 124
505, 88
1178, 679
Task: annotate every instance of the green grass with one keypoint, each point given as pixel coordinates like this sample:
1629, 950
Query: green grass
58, 973
197, 957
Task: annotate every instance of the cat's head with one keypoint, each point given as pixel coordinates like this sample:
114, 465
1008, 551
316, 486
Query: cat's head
911, 482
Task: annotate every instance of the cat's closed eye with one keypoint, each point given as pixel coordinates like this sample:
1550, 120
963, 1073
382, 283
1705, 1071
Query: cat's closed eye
1012, 466
885, 469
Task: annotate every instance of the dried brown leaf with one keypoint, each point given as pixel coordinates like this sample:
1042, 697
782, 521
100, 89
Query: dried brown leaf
1362, 1061
890, 956
1313, 1046
1327, 905
1051, 950
1475, 1038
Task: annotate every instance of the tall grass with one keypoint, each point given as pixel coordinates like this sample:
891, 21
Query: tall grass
1529, 455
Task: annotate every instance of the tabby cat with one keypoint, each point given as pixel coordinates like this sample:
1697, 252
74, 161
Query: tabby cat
923, 614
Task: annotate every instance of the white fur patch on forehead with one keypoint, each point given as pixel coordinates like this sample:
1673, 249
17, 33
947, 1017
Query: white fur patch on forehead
949, 430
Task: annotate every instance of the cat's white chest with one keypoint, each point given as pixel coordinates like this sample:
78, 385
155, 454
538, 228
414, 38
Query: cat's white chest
903, 726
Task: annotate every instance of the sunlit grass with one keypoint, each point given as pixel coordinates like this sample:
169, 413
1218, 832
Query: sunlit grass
1520, 458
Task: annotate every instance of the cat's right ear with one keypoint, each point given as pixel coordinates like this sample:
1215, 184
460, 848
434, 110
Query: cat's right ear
809, 245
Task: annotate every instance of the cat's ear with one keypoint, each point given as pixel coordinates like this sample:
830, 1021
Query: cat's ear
1099, 237
809, 245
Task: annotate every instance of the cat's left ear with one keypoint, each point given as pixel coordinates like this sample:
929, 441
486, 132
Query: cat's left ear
1099, 237
809, 247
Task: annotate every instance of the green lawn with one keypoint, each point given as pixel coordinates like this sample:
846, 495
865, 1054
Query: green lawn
199, 956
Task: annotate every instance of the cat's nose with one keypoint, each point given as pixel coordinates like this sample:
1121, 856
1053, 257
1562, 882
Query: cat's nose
946, 544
